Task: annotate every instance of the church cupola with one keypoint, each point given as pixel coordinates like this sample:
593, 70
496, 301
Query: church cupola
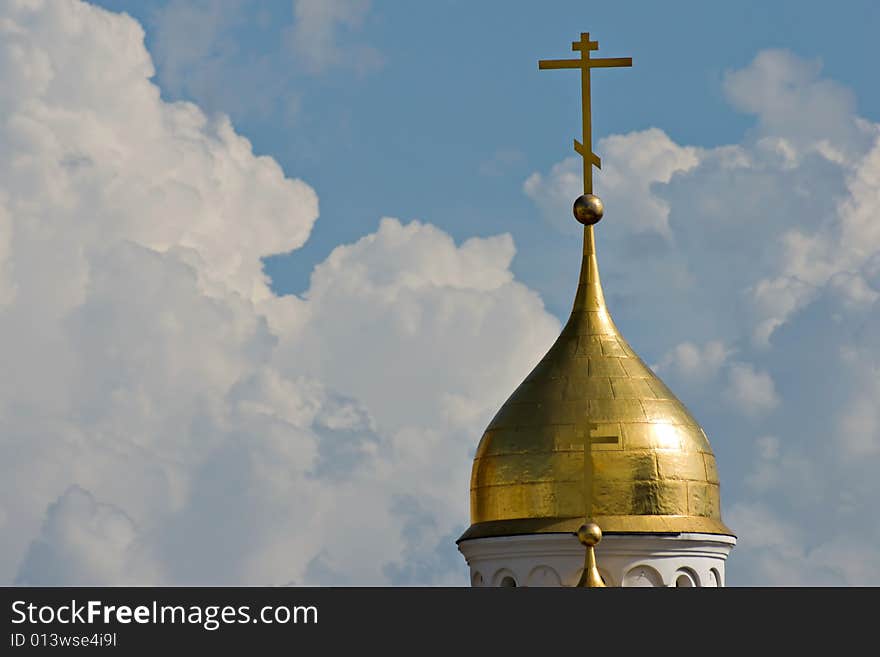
593, 471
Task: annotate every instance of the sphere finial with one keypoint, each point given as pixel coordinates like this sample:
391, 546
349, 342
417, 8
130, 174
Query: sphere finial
588, 209
589, 534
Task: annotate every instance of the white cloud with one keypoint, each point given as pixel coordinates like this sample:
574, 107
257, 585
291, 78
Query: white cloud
766, 470
632, 163
694, 362
784, 554
7, 287
635, 162
190, 36
502, 162
166, 418
794, 104
555, 192
314, 35
750, 390
407, 304
85, 543
858, 425
196, 45
227, 55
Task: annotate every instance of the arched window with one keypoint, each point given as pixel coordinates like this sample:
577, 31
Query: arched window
686, 578
684, 581
504, 577
714, 578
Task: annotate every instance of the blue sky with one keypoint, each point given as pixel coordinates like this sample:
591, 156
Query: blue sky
457, 88
403, 173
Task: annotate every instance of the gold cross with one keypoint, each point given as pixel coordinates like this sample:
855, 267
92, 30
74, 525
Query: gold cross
587, 439
585, 64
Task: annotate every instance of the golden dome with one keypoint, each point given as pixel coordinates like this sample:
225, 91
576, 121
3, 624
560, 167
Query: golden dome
653, 468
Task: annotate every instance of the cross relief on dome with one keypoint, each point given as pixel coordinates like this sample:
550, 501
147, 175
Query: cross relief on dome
596, 436
599, 435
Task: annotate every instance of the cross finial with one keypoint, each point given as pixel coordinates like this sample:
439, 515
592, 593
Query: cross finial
585, 63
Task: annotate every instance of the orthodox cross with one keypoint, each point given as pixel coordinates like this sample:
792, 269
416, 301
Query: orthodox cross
585, 63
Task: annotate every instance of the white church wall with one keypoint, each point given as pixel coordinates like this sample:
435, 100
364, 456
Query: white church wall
684, 560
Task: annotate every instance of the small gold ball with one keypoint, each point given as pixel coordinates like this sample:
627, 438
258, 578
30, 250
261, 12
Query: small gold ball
589, 534
588, 209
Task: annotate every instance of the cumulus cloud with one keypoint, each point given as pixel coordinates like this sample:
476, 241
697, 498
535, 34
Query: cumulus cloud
196, 47
225, 54
555, 191
747, 390
85, 543
165, 418
694, 362
409, 303
192, 34
632, 163
750, 390
502, 163
314, 35
859, 419
784, 554
795, 105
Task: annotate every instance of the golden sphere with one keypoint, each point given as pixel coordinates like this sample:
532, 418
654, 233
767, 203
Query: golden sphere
588, 209
589, 534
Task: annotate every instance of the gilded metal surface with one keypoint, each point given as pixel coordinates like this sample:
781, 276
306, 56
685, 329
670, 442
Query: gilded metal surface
652, 467
585, 64
588, 209
589, 535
